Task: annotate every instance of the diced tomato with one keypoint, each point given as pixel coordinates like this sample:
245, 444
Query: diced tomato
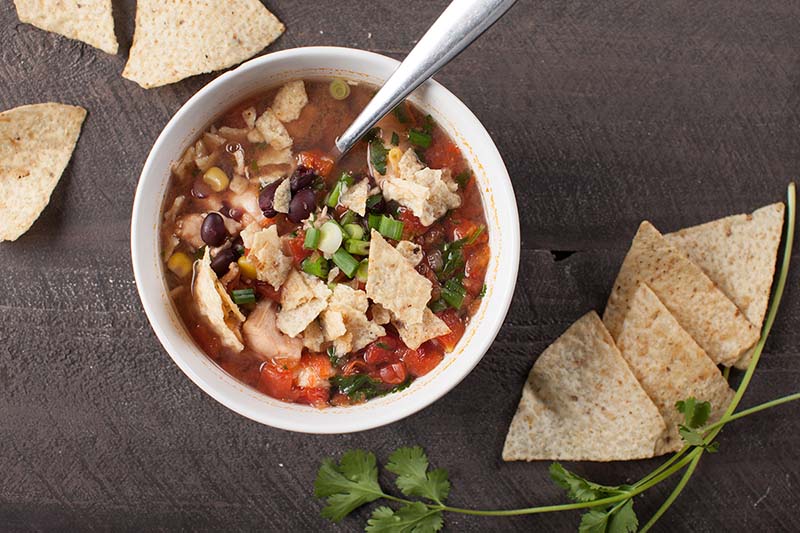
381, 351
443, 153
316, 396
296, 249
265, 290
209, 342
319, 363
393, 374
411, 224
456, 325
475, 269
356, 366
277, 382
424, 359
474, 286
316, 160
461, 228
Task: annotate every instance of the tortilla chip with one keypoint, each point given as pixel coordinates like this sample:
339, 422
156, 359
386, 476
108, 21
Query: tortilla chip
89, 21
303, 298
352, 305
738, 253
264, 250
36, 143
355, 197
176, 39
273, 130
581, 402
669, 364
415, 334
411, 251
216, 306
703, 310
282, 197
290, 101
393, 282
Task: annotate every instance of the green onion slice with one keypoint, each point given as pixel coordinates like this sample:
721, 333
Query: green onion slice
346, 262
330, 237
363, 269
316, 266
243, 296
354, 231
339, 89
390, 228
357, 247
420, 138
312, 239
453, 293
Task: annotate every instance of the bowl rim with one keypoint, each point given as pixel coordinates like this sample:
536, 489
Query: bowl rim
501, 185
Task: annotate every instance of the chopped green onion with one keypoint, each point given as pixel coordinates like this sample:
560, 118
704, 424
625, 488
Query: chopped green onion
474, 237
330, 237
363, 269
312, 239
438, 305
346, 178
316, 266
374, 221
374, 200
483, 291
390, 228
348, 218
463, 179
333, 196
420, 138
357, 247
354, 231
339, 89
243, 296
453, 293
395, 138
346, 262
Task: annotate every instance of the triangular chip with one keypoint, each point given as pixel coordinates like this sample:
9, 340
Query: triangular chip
738, 253
700, 307
89, 21
582, 403
176, 39
36, 143
216, 306
669, 364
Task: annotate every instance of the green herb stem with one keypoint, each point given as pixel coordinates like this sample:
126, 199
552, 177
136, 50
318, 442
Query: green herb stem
674, 494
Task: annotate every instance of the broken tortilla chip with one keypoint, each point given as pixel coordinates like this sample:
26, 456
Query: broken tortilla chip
738, 253
698, 305
89, 21
669, 364
216, 306
36, 144
176, 39
581, 402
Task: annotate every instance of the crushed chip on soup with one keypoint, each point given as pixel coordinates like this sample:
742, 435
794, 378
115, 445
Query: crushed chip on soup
344, 294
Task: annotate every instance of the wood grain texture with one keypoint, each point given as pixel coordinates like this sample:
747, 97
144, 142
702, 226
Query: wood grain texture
605, 112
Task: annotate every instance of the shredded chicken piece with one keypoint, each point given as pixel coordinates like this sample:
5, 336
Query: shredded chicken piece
187, 228
261, 335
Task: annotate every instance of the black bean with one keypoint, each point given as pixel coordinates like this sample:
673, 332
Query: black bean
302, 205
213, 230
266, 198
200, 189
231, 212
222, 261
303, 177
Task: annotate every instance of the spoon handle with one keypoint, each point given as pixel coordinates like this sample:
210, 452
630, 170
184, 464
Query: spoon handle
461, 23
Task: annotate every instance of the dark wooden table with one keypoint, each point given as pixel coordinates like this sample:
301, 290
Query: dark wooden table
605, 112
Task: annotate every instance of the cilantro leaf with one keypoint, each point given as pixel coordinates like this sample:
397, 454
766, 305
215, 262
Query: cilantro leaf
377, 155
624, 519
411, 518
579, 489
413, 478
593, 522
347, 485
695, 413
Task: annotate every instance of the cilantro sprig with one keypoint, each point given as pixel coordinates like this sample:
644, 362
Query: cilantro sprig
353, 482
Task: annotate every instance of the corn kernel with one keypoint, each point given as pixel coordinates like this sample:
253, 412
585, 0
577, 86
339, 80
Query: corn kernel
180, 264
216, 178
246, 268
394, 157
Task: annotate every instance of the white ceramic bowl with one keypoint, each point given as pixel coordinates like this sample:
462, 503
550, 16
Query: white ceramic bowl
268, 71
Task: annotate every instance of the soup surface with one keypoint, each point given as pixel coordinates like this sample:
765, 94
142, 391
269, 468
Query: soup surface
316, 281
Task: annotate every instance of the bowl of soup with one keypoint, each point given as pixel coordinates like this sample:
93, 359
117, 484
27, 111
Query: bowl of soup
317, 293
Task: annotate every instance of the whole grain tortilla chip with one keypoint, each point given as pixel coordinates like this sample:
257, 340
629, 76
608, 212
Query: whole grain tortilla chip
303, 298
581, 402
36, 144
698, 305
175, 39
290, 101
415, 334
669, 364
89, 21
216, 306
738, 253
393, 282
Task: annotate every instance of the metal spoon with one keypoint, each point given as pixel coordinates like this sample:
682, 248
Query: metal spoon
456, 28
